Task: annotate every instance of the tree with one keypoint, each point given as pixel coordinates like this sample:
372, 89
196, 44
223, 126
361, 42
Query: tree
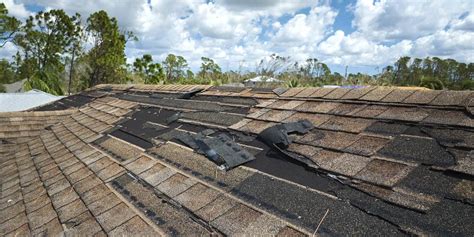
174, 67
402, 71
43, 42
106, 60
151, 72
314, 69
75, 49
272, 65
7, 74
8, 26
209, 69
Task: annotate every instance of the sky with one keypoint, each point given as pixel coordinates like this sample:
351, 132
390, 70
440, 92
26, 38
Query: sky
364, 35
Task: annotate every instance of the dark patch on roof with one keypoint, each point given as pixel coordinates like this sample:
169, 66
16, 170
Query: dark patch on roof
428, 181
227, 89
304, 207
132, 138
387, 128
419, 150
227, 100
439, 220
73, 101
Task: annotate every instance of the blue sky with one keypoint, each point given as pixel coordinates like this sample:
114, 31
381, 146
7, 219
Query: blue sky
365, 35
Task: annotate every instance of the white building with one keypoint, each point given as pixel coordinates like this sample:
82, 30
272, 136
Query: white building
10, 102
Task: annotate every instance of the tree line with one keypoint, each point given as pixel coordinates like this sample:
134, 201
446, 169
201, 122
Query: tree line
62, 54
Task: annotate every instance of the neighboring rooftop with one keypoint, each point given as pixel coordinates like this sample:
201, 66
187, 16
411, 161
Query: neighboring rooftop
19, 101
115, 160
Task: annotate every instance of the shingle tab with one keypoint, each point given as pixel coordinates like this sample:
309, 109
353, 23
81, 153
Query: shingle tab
348, 164
452, 98
307, 92
398, 95
383, 172
422, 97
355, 125
321, 92
315, 119
337, 93
407, 114
355, 94
317, 107
377, 94
367, 145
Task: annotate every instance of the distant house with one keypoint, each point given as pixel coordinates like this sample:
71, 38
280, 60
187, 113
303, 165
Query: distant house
261, 80
10, 102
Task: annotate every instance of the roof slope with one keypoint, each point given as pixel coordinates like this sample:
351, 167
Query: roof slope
380, 161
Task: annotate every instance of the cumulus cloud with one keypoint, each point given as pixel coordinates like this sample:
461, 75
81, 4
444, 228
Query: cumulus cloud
405, 19
240, 33
17, 10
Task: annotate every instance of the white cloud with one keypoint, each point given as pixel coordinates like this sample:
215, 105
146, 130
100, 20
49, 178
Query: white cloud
16, 10
307, 28
240, 33
405, 19
347, 49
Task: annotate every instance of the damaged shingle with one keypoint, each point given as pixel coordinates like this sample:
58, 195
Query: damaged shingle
278, 134
221, 149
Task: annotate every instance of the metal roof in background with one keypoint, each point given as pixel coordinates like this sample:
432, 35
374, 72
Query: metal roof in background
10, 102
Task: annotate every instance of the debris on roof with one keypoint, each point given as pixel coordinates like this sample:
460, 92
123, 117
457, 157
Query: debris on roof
201, 160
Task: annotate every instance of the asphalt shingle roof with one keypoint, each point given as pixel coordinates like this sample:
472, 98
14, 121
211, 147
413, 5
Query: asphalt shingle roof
380, 161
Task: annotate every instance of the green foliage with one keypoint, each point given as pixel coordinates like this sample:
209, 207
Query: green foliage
106, 59
152, 73
174, 67
46, 80
292, 83
7, 72
209, 69
431, 83
43, 40
434, 73
8, 25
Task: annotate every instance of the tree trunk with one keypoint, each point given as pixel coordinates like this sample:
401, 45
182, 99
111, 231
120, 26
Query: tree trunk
71, 71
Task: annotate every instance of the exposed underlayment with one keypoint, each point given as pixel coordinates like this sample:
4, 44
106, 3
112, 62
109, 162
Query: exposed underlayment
140, 160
